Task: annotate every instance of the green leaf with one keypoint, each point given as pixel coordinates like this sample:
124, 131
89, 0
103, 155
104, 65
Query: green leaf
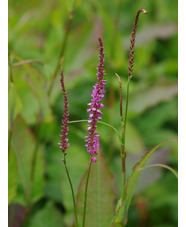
33, 89
160, 165
100, 198
152, 96
47, 217
12, 176
132, 134
23, 144
122, 210
14, 105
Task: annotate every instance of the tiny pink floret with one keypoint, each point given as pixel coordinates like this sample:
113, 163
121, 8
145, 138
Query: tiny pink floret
94, 159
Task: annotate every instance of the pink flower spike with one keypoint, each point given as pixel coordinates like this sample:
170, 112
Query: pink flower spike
92, 141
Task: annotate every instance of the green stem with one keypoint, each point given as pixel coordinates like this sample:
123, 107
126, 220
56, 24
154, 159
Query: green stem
86, 189
123, 145
35, 153
101, 122
126, 112
10, 68
72, 190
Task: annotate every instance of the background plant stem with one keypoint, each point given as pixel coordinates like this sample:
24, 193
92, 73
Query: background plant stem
86, 188
73, 196
60, 60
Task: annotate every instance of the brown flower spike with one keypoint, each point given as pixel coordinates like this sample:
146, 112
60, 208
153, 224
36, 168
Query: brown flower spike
64, 141
132, 41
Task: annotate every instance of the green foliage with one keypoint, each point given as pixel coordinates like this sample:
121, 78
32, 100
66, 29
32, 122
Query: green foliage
36, 174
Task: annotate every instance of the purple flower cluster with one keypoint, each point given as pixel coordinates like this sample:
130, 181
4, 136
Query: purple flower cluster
64, 141
92, 142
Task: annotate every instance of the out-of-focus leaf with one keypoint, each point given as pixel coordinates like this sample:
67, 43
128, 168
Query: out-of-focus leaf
122, 210
118, 52
100, 198
23, 145
113, 43
16, 215
30, 110
14, 105
132, 134
47, 217
76, 58
152, 96
35, 89
12, 176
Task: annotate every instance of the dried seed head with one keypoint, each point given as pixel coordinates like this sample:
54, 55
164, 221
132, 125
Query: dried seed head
132, 42
63, 144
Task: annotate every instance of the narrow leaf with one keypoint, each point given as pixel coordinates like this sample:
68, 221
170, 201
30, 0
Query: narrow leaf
122, 210
152, 96
100, 199
160, 165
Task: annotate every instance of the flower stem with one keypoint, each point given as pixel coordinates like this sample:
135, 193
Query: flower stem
124, 122
86, 188
123, 145
73, 196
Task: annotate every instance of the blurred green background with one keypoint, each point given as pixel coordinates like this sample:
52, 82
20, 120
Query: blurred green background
39, 193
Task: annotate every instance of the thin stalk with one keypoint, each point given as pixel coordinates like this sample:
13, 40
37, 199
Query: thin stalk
10, 68
101, 122
33, 165
125, 116
63, 46
124, 123
86, 190
29, 61
123, 145
121, 97
73, 196
35, 153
